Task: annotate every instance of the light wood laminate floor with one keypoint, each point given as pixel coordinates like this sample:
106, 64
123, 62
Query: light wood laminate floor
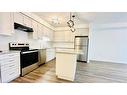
94, 72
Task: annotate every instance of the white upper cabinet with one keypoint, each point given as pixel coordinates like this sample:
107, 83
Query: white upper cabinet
59, 36
18, 18
7, 20
48, 33
63, 36
22, 19
45, 31
6, 23
51, 34
68, 36
40, 31
81, 32
35, 28
27, 21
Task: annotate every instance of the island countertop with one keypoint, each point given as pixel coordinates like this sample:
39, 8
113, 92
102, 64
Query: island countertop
66, 62
72, 51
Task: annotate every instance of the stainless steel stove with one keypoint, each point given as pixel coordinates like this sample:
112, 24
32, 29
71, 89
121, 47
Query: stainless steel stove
28, 57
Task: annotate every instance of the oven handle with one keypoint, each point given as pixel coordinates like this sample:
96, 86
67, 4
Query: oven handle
29, 52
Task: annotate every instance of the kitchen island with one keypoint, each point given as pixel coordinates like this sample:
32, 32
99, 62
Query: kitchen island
66, 61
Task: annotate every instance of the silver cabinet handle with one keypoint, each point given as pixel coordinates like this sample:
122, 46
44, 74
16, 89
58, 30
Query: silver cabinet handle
11, 65
11, 60
29, 52
11, 73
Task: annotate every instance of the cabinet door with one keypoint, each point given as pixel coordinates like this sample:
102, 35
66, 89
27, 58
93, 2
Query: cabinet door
35, 28
81, 32
6, 23
50, 54
67, 36
40, 31
27, 21
18, 18
10, 66
48, 33
9, 75
51, 35
59, 36
45, 31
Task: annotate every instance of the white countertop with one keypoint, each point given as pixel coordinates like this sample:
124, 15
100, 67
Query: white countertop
44, 48
9, 51
72, 51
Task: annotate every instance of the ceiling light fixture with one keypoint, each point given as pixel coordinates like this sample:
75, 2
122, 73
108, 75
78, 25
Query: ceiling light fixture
71, 22
55, 20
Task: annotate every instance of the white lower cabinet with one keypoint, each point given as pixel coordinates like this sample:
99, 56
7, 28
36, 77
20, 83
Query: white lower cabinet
9, 66
50, 54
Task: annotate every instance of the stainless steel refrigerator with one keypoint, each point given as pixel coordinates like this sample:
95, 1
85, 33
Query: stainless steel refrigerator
81, 43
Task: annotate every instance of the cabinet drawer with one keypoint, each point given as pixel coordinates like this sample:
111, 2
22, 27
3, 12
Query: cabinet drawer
9, 75
7, 56
9, 61
9, 67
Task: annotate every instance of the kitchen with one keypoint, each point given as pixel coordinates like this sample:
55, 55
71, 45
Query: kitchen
23, 32
62, 47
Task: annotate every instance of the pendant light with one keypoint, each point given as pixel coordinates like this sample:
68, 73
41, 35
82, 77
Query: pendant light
71, 22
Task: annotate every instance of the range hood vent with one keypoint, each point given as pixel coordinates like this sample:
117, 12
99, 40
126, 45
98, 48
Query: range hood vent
22, 27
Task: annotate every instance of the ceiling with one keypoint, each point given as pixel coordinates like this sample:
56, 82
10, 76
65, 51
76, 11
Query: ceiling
82, 17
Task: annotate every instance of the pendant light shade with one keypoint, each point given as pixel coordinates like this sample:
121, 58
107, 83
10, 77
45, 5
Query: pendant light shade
70, 23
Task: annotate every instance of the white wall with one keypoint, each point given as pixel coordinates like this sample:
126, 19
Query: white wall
20, 36
108, 43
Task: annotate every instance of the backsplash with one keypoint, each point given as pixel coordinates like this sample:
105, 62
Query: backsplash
23, 37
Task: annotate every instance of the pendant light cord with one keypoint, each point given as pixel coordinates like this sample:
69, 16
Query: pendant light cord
70, 15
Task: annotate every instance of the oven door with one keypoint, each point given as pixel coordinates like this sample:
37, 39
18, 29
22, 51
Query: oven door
28, 58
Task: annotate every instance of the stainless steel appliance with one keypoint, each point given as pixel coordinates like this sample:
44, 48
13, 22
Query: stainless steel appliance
22, 27
42, 56
81, 43
28, 58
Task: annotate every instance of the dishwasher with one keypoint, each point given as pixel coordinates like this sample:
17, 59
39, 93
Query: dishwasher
42, 56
